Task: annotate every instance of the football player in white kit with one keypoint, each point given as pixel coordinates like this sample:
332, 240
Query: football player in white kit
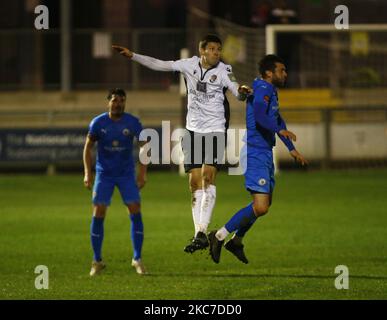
207, 79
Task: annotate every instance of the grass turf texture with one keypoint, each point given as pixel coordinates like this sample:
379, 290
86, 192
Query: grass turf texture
318, 220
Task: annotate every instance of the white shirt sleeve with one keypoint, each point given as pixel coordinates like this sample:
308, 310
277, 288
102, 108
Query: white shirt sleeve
183, 65
153, 63
230, 81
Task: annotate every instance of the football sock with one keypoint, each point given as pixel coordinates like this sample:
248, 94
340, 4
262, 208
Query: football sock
243, 219
242, 230
208, 203
221, 234
196, 205
137, 234
96, 235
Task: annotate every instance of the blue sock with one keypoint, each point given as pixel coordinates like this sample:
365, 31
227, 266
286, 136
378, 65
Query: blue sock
243, 219
96, 235
137, 234
242, 230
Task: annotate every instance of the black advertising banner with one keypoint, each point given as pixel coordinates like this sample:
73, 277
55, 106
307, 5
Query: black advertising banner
41, 145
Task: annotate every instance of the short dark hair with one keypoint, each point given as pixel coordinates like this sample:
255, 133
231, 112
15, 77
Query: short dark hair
268, 63
116, 91
209, 38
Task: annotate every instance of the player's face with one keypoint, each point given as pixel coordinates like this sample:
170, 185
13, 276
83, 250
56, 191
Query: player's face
211, 53
117, 105
279, 75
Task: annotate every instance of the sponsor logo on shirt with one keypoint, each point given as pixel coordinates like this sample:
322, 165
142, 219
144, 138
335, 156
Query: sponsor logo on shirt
115, 143
200, 96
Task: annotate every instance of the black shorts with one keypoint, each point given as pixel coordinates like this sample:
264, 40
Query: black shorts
203, 148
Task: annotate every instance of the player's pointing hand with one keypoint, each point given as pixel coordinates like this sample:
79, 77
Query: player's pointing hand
123, 51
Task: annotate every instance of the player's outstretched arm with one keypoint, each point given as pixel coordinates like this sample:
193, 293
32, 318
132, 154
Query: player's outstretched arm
123, 51
298, 157
149, 62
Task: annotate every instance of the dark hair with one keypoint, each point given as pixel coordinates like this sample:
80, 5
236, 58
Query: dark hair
268, 63
209, 38
116, 91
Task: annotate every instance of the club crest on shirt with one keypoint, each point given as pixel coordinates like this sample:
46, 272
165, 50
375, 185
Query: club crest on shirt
213, 78
125, 132
262, 182
115, 143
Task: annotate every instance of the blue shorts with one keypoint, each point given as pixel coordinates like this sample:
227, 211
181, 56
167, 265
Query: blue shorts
104, 187
259, 175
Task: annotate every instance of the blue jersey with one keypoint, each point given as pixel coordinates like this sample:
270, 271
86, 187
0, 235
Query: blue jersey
115, 143
263, 119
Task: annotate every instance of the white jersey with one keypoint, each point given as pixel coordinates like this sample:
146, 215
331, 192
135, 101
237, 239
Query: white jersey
208, 108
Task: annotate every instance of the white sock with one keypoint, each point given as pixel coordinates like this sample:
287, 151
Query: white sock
222, 234
208, 203
196, 205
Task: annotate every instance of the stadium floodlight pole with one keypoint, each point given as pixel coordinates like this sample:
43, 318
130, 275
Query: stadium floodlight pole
65, 9
184, 54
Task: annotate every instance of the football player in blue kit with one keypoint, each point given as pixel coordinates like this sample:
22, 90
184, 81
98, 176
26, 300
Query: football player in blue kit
114, 132
263, 122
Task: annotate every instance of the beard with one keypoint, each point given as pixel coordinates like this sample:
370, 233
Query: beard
279, 83
117, 112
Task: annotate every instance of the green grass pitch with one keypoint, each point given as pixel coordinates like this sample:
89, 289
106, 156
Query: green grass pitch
318, 220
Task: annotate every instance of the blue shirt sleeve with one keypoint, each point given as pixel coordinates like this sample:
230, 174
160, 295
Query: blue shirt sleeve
287, 142
137, 126
93, 130
260, 107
